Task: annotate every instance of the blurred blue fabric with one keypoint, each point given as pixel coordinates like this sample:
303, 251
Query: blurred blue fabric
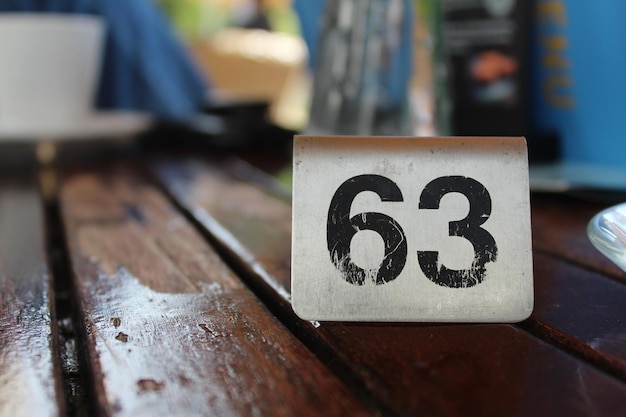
311, 15
145, 67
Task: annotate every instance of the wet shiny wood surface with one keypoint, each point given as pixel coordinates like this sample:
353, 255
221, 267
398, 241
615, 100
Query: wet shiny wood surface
29, 380
179, 274
197, 186
169, 328
560, 228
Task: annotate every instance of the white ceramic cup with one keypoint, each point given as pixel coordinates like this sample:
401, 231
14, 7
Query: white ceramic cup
49, 69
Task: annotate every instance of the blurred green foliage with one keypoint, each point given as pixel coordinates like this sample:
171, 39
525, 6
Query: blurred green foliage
201, 18
196, 19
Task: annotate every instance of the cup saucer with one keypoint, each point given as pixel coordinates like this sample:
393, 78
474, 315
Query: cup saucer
97, 125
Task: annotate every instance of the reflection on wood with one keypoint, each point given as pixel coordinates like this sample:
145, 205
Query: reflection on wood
560, 228
408, 368
170, 329
29, 380
582, 311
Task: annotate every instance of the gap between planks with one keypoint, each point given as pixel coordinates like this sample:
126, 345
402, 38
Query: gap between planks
244, 171
277, 302
611, 275
78, 391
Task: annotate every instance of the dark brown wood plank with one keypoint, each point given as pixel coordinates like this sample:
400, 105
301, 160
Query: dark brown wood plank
581, 310
434, 370
575, 308
559, 226
170, 329
29, 373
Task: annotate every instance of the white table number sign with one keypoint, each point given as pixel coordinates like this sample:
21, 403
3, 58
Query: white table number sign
411, 229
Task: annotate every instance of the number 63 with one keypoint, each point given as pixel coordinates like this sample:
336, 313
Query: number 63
341, 228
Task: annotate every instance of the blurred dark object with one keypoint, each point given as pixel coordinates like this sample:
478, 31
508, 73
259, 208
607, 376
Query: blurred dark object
222, 125
487, 56
22, 155
487, 49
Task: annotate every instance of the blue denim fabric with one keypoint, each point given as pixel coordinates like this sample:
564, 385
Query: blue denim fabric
145, 67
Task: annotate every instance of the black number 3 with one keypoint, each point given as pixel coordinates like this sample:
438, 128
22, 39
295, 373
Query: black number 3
485, 248
341, 229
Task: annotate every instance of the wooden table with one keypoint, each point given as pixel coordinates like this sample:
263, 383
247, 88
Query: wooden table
161, 287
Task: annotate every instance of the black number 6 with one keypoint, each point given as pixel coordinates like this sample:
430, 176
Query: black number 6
485, 248
341, 229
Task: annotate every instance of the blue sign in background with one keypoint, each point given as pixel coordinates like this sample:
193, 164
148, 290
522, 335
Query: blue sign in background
579, 79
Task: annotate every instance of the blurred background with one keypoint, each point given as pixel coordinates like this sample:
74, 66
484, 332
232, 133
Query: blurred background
544, 69
248, 74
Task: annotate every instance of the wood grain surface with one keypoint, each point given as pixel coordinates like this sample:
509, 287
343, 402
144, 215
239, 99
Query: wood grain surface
411, 368
582, 311
559, 226
29, 374
170, 329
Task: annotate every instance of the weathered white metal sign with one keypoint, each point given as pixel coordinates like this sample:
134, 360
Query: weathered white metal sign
411, 229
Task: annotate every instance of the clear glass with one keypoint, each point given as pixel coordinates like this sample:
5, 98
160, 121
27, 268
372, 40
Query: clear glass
607, 232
